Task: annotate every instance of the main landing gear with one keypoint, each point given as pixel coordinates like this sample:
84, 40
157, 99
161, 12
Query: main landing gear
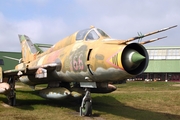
11, 96
86, 105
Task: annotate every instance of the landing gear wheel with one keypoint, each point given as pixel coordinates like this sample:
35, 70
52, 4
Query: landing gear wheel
12, 100
87, 109
11, 96
86, 105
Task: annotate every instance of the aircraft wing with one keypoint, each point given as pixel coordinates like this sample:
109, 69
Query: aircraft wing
37, 70
11, 72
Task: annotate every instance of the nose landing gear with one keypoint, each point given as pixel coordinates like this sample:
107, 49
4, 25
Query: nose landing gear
86, 105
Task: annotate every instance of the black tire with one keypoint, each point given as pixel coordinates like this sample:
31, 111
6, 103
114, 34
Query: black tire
12, 100
87, 109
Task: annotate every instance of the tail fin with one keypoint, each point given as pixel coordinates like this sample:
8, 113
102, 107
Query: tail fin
29, 51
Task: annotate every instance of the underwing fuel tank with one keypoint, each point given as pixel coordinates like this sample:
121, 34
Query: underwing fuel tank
54, 93
4, 88
134, 58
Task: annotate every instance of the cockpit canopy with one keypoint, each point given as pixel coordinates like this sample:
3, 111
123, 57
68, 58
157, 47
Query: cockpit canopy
91, 34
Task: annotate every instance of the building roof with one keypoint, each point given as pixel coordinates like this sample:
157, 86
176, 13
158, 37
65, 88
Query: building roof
161, 53
163, 47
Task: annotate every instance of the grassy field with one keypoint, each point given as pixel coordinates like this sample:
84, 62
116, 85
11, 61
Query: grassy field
133, 100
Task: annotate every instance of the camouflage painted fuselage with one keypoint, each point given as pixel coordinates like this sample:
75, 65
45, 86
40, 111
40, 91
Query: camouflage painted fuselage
79, 60
82, 63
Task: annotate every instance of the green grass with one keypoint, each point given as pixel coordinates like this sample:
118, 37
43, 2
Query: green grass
134, 100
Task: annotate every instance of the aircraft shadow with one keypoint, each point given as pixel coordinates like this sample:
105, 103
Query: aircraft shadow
27, 103
113, 106
105, 104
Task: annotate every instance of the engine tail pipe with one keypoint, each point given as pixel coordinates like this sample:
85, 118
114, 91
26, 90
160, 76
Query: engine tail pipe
135, 58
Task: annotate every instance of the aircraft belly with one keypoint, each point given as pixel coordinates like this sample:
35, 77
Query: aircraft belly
70, 76
99, 75
110, 74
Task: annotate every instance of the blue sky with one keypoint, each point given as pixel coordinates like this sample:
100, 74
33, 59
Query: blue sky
48, 21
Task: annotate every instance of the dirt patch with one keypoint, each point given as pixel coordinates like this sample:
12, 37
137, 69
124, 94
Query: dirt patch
5, 105
93, 117
176, 85
18, 86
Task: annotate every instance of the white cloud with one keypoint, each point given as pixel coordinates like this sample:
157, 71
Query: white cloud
123, 19
120, 19
38, 2
41, 30
7, 35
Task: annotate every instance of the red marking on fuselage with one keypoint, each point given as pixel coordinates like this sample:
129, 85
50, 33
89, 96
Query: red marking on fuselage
53, 56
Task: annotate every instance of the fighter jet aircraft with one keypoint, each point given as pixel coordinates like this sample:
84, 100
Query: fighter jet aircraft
83, 63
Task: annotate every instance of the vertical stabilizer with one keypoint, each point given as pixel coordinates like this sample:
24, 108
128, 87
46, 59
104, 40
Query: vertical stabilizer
29, 51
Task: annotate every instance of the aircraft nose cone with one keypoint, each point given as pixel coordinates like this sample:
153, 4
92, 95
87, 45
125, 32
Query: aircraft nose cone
136, 57
132, 59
